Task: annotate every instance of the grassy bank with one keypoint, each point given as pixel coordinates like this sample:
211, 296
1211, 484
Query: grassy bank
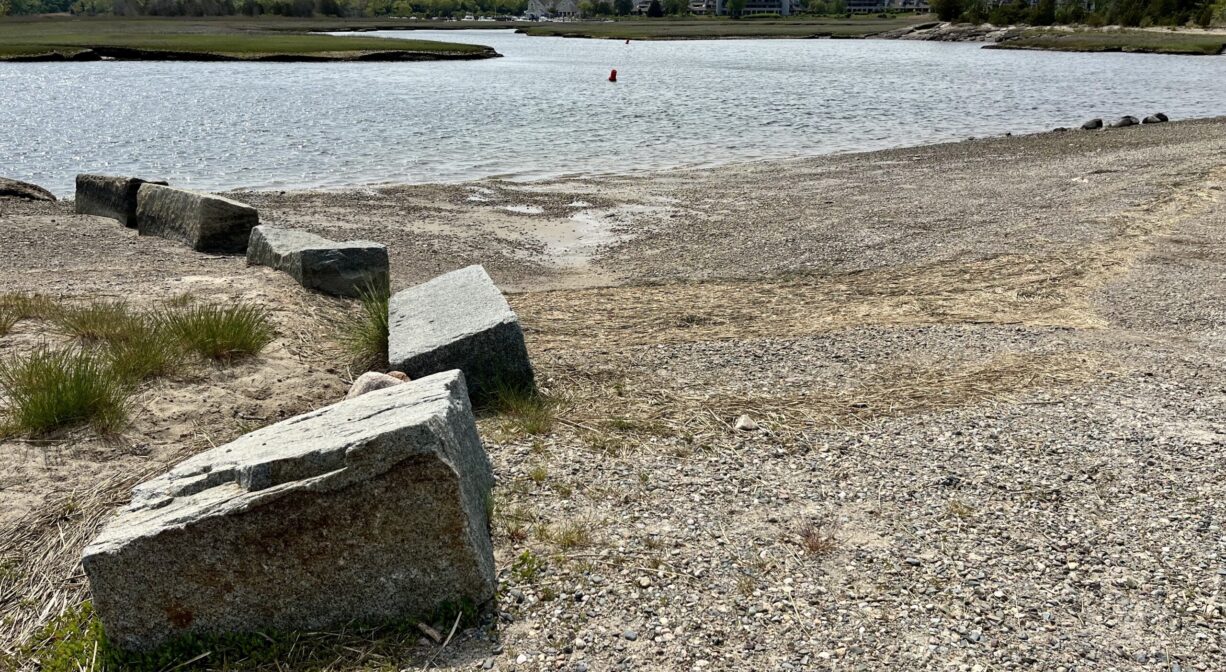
700, 28
1132, 41
207, 39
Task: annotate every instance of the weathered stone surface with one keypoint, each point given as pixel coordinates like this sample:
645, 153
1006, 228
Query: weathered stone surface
109, 196
17, 189
1124, 122
459, 320
205, 222
1155, 119
368, 510
372, 381
1092, 125
338, 268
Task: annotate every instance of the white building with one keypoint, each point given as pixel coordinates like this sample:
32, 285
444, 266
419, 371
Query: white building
554, 8
780, 7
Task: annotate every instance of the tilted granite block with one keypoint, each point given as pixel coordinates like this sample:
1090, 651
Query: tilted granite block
205, 222
369, 510
459, 320
338, 268
18, 189
109, 196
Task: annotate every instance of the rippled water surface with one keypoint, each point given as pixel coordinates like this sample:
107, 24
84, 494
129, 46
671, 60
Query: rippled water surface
546, 109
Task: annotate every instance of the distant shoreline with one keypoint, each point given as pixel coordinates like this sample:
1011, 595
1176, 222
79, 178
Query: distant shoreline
91, 54
79, 39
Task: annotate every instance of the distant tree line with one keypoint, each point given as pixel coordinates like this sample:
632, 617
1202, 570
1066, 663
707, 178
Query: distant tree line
1142, 13
303, 8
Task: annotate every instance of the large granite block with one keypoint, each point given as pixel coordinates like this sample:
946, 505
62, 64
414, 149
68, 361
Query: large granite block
18, 189
205, 222
109, 196
459, 320
369, 510
338, 268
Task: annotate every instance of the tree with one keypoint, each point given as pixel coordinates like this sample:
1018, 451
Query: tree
947, 10
735, 7
654, 10
623, 7
676, 7
1044, 13
1205, 18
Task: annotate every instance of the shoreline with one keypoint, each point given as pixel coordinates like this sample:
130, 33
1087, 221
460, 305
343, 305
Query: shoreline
953, 354
92, 54
527, 180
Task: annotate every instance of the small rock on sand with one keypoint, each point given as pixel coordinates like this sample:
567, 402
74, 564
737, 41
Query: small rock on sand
373, 380
746, 424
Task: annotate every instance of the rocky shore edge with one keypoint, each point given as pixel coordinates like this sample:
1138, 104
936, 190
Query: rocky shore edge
1015, 37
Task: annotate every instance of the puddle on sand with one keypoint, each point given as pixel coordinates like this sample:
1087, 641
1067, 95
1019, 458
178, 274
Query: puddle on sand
479, 195
574, 241
523, 209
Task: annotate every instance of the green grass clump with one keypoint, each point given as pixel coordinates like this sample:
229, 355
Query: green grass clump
52, 389
364, 335
109, 321
7, 319
525, 410
17, 307
221, 333
151, 353
27, 306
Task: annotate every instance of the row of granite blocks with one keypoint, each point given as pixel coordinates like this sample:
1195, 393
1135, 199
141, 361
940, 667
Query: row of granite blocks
373, 509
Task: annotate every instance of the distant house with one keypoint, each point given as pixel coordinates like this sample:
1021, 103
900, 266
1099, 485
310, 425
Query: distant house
780, 7
879, 6
867, 6
558, 9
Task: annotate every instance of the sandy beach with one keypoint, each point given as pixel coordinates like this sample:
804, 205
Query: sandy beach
988, 380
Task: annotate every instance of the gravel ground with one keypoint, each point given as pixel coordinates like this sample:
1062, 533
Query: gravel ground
986, 385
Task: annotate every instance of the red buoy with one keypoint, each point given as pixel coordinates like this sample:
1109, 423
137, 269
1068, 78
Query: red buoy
613, 75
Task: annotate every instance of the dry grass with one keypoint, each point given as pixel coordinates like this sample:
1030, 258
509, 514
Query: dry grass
1001, 290
817, 539
897, 391
41, 557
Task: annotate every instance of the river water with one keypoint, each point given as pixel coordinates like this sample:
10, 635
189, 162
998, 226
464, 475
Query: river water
546, 108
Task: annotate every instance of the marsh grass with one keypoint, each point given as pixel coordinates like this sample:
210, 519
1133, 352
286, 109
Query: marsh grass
233, 37
364, 335
59, 388
220, 333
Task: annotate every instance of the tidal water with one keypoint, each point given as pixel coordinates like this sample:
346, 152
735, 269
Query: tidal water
546, 109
